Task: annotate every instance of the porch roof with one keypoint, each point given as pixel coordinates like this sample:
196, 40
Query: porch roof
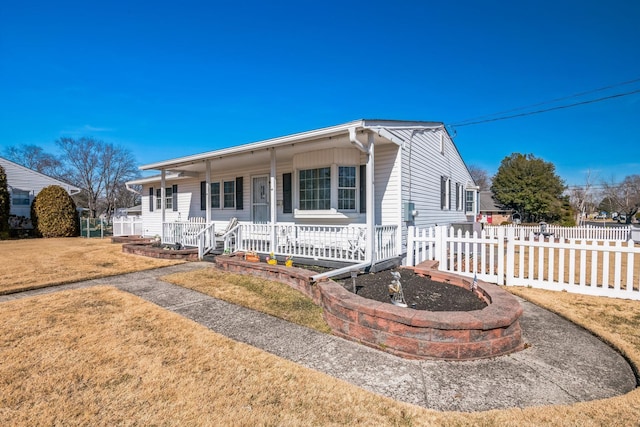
258, 151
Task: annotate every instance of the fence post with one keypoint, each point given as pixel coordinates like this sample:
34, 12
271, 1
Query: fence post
437, 248
410, 249
505, 276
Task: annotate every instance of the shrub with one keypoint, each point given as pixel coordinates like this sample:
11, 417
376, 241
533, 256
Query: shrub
5, 205
53, 213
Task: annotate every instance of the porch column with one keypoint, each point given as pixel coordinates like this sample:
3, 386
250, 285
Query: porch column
272, 196
162, 201
371, 229
207, 193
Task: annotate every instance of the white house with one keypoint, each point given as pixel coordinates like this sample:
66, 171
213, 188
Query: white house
321, 194
24, 184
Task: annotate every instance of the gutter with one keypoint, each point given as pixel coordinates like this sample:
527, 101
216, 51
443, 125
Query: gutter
126, 184
353, 137
340, 271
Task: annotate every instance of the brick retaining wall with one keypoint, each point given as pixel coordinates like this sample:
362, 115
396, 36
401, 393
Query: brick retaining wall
145, 249
409, 333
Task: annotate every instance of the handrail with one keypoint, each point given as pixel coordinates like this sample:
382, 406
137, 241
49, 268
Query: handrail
206, 234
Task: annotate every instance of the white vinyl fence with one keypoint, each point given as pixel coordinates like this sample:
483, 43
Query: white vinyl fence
587, 232
506, 257
127, 226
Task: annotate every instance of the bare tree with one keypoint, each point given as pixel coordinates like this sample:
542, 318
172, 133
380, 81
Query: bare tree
98, 168
624, 197
34, 158
481, 177
581, 197
119, 166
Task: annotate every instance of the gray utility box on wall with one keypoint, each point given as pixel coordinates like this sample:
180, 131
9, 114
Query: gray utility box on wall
408, 209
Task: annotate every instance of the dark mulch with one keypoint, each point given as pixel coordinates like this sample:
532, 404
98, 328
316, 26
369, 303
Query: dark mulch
421, 291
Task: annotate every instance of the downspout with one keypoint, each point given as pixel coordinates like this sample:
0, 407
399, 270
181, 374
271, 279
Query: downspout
368, 150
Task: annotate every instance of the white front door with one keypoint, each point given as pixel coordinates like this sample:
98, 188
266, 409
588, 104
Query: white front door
260, 200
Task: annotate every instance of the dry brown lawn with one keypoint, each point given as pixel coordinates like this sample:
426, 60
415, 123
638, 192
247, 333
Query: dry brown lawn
273, 298
36, 263
100, 356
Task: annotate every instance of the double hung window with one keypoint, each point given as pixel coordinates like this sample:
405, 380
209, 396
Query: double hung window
315, 189
347, 188
229, 196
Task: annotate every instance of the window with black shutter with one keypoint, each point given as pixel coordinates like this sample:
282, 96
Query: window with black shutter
239, 194
287, 193
203, 195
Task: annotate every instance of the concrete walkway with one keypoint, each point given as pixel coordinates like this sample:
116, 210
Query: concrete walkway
564, 363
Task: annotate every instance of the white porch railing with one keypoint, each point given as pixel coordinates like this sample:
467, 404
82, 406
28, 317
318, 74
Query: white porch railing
335, 243
185, 233
586, 232
592, 267
386, 242
127, 226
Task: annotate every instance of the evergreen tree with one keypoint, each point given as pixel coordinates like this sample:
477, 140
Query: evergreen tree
530, 186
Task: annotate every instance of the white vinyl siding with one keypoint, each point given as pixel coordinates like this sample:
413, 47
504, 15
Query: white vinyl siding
432, 155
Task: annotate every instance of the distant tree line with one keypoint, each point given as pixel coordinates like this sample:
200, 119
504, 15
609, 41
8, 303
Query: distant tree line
100, 169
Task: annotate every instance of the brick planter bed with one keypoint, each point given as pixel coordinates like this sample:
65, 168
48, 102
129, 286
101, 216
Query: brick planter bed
416, 334
145, 249
131, 239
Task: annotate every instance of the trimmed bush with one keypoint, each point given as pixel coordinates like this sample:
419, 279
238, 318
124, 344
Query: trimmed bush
5, 205
53, 213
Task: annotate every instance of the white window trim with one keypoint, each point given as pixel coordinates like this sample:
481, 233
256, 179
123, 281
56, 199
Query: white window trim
333, 212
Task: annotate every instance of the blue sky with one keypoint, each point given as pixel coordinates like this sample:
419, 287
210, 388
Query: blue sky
170, 79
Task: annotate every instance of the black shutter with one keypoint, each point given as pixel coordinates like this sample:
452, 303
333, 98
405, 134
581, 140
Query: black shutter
363, 188
239, 194
203, 196
287, 195
174, 197
443, 192
151, 199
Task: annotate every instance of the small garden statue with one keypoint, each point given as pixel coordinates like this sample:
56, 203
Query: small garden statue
289, 261
395, 291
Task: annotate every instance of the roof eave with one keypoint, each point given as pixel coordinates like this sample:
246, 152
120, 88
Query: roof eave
274, 142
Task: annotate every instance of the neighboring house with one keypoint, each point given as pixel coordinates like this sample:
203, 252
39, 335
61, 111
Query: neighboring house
24, 184
320, 194
491, 212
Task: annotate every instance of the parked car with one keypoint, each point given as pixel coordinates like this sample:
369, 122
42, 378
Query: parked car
601, 215
622, 218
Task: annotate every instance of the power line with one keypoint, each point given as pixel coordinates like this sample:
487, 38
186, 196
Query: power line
591, 101
464, 122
